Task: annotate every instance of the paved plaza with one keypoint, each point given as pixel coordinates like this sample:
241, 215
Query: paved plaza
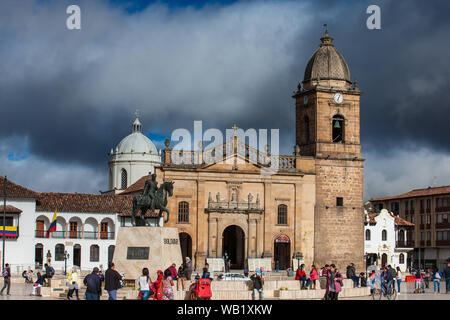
21, 291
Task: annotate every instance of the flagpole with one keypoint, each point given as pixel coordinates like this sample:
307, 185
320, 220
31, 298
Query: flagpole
4, 222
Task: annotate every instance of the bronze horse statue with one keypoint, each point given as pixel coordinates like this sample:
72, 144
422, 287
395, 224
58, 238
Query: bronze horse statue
143, 203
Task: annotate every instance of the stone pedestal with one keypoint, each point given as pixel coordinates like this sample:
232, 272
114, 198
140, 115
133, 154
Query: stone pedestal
154, 248
254, 263
216, 264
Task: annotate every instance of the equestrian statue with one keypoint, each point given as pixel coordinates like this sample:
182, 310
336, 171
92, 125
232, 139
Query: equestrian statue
152, 198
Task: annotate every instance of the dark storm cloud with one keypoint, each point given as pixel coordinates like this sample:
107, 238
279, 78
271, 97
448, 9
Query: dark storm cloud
72, 94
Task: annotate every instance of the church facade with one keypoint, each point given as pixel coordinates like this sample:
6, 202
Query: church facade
310, 207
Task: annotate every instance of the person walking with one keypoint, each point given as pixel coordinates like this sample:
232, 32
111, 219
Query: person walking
447, 277
437, 276
93, 286
277, 266
181, 277
313, 276
72, 280
188, 268
399, 279
112, 281
144, 284
167, 285
334, 283
6, 274
258, 285
157, 285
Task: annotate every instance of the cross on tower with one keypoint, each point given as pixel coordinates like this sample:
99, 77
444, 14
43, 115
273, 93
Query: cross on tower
136, 113
234, 127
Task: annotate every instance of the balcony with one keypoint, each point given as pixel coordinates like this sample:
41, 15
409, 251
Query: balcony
405, 244
91, 235
422, 226
422, 243
75, 234
428, 210
443, 243
422, 210
428, 243
442, 209
428, 226
411, 211
442, 225
59, 234
107, 235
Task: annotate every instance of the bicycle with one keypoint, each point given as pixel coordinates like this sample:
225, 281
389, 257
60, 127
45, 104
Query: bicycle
377, 294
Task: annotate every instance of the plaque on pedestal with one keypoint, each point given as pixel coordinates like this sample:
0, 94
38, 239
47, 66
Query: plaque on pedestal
155, 248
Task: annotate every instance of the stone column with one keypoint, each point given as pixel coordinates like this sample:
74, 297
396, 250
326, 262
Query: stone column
212, 237
267, 248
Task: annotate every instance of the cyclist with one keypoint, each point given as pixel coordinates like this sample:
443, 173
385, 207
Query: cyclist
387, 279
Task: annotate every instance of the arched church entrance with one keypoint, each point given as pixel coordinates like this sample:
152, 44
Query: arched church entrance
234, 246
282, 251
186, 245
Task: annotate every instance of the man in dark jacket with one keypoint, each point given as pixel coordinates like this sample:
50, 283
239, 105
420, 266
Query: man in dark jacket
112, 281
92, 282
351, 274
7, 279
49, 272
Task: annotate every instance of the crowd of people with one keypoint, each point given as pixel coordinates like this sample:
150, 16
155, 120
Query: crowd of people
162, 287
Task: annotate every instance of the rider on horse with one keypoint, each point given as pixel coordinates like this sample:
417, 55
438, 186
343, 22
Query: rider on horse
150, 188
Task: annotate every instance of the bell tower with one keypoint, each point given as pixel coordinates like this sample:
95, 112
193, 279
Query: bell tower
328, 129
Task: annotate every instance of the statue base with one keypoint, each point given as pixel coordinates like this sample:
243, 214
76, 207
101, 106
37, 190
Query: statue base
154, 248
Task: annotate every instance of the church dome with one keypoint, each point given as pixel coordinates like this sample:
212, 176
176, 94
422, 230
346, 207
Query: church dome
327, 63
136, 142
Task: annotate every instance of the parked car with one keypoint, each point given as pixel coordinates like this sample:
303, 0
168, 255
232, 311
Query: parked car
232, 276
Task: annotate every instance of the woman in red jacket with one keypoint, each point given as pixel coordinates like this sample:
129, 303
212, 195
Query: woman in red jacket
313, 276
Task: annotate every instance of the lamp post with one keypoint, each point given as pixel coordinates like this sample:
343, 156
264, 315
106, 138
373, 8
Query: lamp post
66, 256
298, 256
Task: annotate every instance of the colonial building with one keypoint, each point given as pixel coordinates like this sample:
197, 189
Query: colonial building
429, 210
85, 234
310, 206
387, 240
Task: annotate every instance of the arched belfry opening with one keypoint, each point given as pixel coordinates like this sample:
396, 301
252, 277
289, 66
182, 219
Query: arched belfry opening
338, 124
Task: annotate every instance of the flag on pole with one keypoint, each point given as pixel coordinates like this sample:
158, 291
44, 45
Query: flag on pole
52, 225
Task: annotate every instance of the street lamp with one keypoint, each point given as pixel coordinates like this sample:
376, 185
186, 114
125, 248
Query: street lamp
298, 256
66, 256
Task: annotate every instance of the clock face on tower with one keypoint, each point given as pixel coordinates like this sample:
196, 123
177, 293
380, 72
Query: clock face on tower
338, 97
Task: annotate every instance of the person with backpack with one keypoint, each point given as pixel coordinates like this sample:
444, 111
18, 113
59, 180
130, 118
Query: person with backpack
92, 282
112, 281
6, 274
437, 276
49, 273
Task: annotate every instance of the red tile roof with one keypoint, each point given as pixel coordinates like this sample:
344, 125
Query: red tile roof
398, 221
82, 202
417, 193
137, 186
9, 209
15, 191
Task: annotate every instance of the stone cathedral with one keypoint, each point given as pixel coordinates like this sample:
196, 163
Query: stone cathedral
310, 209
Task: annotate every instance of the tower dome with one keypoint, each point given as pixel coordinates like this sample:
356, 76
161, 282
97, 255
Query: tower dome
135, 156
326, 63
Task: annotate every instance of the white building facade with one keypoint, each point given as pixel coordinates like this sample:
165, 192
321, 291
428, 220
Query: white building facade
387, 240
